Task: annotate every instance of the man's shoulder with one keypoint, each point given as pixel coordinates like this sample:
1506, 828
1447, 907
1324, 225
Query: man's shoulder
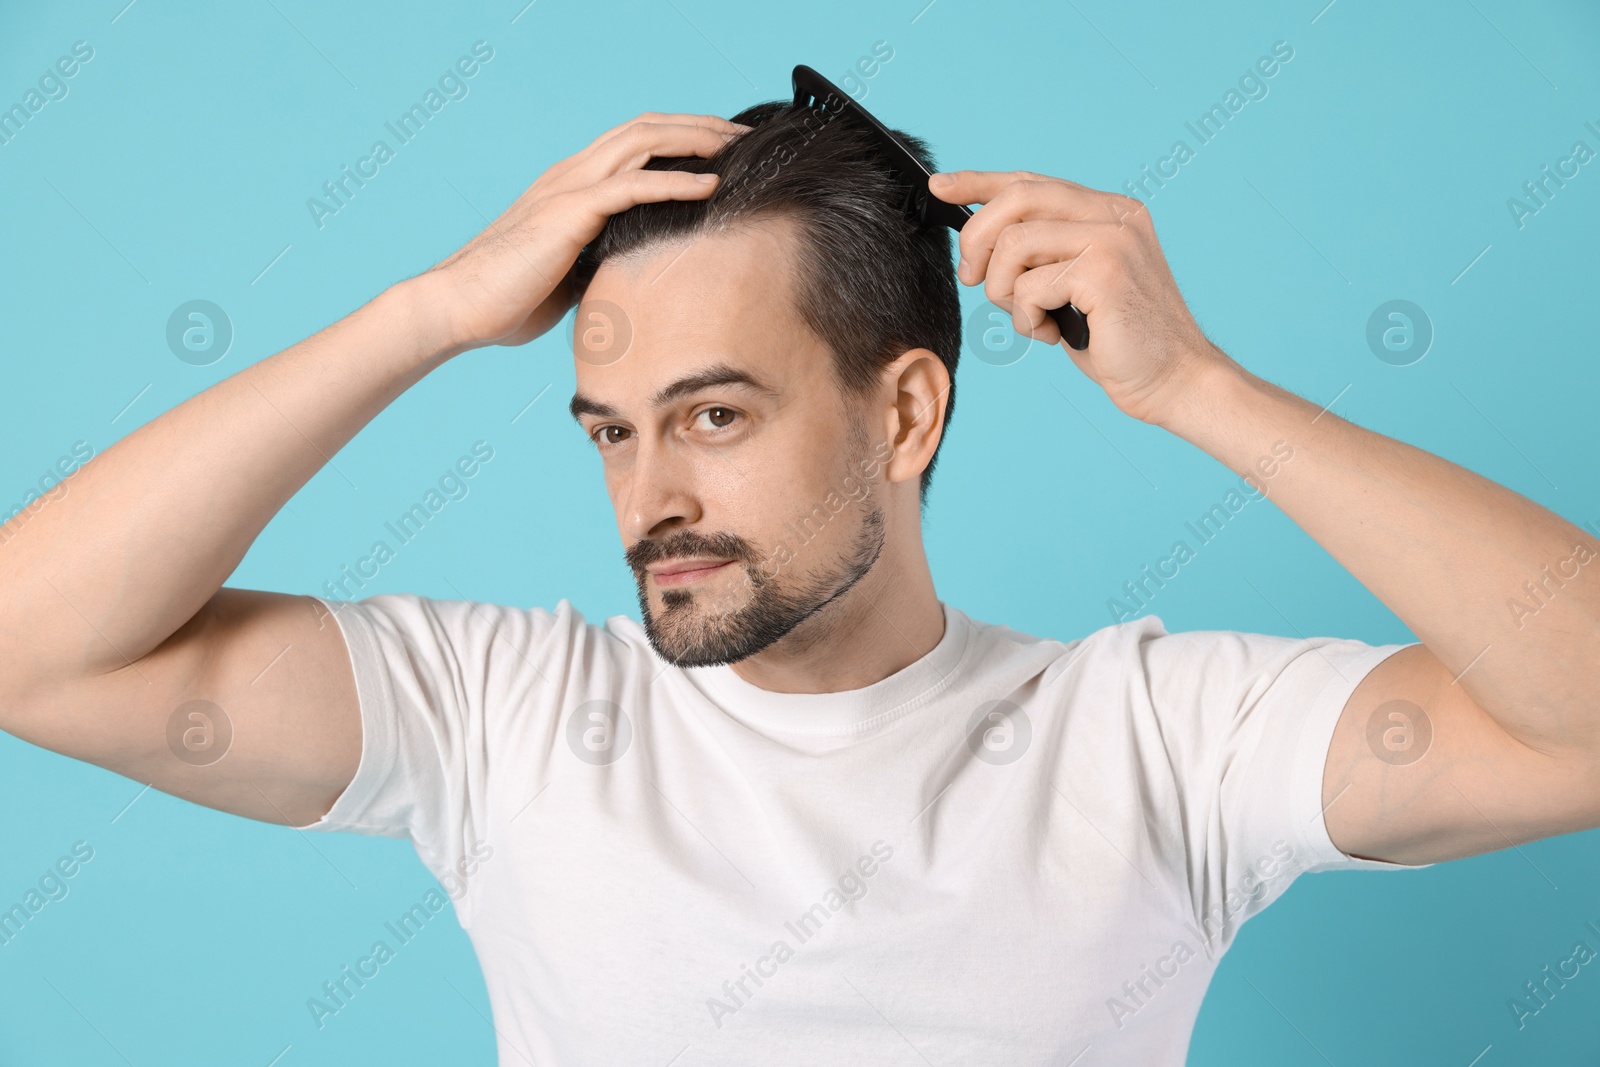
1015, 655
1118, 636
469, 625
1141, 648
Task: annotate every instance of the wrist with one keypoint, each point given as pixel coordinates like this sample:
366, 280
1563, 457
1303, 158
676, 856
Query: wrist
1202, 390
421, 310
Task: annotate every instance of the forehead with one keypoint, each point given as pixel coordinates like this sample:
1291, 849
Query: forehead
724, 298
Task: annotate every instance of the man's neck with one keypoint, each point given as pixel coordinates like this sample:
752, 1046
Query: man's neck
887, 621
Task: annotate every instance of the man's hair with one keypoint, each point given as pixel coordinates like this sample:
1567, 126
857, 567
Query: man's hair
870, 282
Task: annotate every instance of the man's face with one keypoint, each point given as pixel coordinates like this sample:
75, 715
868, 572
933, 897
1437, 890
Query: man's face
727, 446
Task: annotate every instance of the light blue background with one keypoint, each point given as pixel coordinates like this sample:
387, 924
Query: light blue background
179, 167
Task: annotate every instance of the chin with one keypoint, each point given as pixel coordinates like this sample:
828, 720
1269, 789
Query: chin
692, 629
712, 626
724, 620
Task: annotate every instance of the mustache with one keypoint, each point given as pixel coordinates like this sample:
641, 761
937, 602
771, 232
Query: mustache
687, 544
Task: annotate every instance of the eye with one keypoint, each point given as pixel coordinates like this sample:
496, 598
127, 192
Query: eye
721, 418
609, 435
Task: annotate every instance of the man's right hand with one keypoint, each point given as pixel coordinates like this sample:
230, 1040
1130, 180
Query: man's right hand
510, 283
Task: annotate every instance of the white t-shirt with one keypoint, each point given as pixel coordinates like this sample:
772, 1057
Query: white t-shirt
1013, 851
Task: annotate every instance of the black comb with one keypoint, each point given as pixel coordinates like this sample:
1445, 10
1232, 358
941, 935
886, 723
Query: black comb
812, 90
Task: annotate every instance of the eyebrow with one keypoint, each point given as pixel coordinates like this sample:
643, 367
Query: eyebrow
714, 375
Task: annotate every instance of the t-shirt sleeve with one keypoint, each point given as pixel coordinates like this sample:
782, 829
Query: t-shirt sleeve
1247, 720
441, 684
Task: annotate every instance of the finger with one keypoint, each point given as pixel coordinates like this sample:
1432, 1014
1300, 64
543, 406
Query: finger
1032, 294
1033, 243
639, 143
649, 118
561, 169
982, 186
582, 213
1051, 286
620, 191
1028, 199
675, 118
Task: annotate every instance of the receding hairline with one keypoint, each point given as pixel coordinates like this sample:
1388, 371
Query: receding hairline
714, 225
719, 373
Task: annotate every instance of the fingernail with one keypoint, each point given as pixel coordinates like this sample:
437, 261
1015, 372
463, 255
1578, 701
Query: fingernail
941, 179
962, 269
707, 178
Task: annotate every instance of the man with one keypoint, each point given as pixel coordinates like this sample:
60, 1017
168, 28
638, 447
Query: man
807, 812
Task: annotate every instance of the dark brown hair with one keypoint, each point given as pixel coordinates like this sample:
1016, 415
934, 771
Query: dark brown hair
871, 282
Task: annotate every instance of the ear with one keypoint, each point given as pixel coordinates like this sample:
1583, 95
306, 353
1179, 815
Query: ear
917, 388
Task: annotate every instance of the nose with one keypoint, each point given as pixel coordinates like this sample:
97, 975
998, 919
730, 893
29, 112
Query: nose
658, 493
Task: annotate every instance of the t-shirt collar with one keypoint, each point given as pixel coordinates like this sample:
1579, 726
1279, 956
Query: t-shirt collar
845, 711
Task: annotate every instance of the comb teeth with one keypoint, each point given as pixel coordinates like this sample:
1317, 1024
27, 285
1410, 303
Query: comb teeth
913, 204
818, 103
912, 200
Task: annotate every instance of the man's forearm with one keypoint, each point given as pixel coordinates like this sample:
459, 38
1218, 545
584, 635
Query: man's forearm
146, 532
1449, 552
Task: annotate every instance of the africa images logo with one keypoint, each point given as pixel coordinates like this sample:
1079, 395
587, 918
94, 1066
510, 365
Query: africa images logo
999, 732
598, 732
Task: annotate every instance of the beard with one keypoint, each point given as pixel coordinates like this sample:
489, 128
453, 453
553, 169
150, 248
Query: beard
730, 620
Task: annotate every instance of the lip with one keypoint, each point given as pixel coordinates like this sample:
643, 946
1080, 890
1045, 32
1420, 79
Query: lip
686, 571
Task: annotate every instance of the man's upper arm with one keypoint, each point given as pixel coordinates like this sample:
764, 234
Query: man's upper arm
1239, 723
1417, 772
250, 707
